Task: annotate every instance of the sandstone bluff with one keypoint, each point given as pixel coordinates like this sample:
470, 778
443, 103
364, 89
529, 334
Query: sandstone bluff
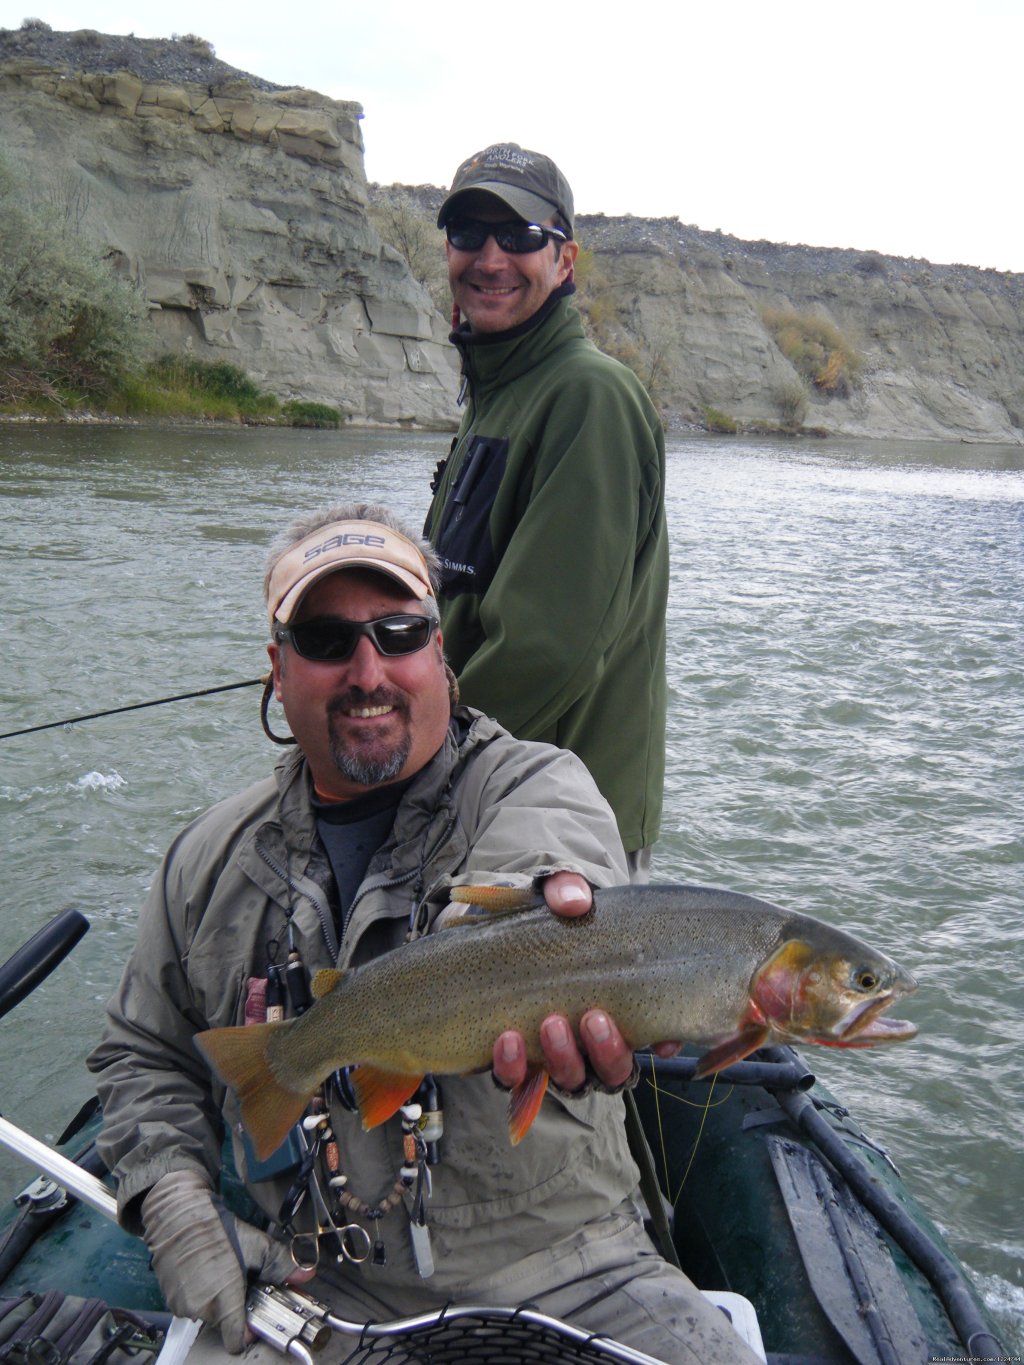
240, 208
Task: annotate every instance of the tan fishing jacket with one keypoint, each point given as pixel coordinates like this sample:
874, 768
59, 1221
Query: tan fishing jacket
217, 913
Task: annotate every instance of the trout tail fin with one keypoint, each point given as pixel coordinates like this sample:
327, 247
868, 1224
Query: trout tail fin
239, 1057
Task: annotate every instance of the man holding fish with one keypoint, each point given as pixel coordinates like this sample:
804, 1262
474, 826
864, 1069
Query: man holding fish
392, 797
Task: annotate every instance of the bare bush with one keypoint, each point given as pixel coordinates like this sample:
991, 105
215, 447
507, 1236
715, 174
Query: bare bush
63, 314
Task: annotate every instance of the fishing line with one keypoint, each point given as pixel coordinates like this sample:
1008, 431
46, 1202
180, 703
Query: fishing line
698, 1104
705, 1109
136, 706
661, 1130
696, 1141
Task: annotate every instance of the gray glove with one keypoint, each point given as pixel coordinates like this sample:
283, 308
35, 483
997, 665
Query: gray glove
204, 1256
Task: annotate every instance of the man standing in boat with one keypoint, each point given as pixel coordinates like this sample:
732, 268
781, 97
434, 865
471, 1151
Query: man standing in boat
548, 515
392, 793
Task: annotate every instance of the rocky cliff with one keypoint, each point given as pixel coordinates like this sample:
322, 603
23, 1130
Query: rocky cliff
929, 351
238, 207
241, 210
727, 332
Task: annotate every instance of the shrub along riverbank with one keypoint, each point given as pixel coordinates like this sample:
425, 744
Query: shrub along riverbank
71, 333
172, 388
180, 386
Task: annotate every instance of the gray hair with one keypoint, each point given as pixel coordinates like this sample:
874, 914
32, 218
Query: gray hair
300, 527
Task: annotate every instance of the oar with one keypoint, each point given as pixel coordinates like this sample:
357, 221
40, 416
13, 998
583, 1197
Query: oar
272, 1315
20, 975
36, 959
82, 1184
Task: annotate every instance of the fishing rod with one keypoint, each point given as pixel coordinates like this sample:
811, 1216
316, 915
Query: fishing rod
135, 706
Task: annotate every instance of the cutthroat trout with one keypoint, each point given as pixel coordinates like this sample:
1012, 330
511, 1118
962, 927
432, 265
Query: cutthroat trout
683, 963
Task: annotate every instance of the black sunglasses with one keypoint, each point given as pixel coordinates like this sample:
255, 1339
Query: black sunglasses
517, 238
330, 640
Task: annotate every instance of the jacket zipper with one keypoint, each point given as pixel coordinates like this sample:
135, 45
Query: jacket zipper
409, 876
312, 895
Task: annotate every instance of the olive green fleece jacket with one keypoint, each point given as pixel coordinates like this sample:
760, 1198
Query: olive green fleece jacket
549, 521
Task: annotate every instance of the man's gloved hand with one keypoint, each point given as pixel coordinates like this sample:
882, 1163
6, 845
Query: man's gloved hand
204, 1256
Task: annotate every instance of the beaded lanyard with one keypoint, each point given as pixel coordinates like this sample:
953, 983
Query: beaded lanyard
414, 1170
422, 1128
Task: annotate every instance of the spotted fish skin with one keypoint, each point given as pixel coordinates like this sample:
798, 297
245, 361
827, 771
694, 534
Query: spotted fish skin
726, 971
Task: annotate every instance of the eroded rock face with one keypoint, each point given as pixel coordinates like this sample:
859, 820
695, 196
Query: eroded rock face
941, 346
240, 209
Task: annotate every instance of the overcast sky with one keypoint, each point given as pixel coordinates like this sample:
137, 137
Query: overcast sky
889, 126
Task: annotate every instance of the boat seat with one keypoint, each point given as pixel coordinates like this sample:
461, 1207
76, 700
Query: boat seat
742, 1314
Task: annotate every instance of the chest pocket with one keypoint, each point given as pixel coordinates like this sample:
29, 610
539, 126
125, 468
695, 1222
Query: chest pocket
464, 544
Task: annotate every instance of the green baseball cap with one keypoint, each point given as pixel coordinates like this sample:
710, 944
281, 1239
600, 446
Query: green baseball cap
530, 184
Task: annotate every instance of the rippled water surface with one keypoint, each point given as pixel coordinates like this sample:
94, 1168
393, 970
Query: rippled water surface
846, 715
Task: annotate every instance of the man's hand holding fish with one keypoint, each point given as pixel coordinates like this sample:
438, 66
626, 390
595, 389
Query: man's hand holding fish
607, 1053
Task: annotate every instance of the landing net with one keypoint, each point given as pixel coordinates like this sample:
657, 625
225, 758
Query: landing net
488, 1336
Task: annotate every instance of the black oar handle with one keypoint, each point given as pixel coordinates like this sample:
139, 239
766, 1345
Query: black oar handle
36, 959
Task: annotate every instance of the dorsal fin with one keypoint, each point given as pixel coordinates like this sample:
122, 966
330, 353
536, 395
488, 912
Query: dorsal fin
325, 981
494, 901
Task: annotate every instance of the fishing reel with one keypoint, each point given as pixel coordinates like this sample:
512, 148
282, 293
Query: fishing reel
293, 1324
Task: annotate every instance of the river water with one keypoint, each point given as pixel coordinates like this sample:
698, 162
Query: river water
845, 734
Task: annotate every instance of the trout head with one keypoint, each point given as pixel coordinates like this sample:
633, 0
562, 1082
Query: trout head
833, 993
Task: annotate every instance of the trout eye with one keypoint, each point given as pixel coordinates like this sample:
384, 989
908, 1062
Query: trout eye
865, 979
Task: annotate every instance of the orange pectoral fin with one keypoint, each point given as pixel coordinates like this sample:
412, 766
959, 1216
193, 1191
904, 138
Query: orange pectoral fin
732, 1049
524, 1104
381, 1093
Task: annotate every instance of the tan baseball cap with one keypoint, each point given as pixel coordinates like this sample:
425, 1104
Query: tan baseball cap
344, 545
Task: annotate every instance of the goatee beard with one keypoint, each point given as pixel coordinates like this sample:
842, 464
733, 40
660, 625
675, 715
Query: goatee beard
368, 772
373, 768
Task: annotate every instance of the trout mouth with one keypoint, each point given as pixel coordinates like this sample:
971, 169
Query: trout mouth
867, 1024
835, 1001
